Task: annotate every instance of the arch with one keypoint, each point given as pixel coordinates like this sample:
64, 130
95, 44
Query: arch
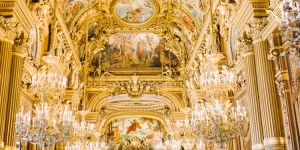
99, 100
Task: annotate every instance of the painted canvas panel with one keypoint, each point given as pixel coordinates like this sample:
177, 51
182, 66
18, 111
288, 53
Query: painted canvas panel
134, 11
134, 50
125, 129
82, 42
194, 7
33, 35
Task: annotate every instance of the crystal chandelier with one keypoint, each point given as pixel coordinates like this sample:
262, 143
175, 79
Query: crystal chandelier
78, 145
81, 136
48, 85
213, 78
201, 144
172, 145
48, 125
290, 23
187, 130
219, 121
83, 130
52, 120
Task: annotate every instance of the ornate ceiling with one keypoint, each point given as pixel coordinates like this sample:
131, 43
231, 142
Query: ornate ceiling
133, 53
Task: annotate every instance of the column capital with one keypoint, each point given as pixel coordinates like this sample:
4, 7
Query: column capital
22, 46
245, 46
255, 27
12, 28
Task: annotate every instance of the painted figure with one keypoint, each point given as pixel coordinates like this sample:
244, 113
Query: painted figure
132, 128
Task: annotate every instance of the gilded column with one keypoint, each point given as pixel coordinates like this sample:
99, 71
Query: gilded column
12, 29
13, 100
20, 47
5, 64
256, 127
271, 122
14, 93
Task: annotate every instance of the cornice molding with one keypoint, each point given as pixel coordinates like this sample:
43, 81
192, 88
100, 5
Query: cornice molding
18, 9
259, 7
269, 28
25, 16
244, 15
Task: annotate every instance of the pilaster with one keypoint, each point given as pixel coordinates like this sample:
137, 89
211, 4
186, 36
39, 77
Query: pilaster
11, 30
284, 92
256, 127
5, 64
273, 138
14, 88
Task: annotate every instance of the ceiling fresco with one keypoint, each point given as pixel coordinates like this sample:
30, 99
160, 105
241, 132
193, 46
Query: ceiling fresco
134, 50
123, 131
195, 8
134, 11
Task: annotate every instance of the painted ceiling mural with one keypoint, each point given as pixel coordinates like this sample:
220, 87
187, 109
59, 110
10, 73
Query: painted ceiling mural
134, 11
132, 50
195, 7
122, 132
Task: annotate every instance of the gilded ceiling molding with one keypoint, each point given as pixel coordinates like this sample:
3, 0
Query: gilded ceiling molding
66, 34
198, 43
99, 100
81, 13
19, 10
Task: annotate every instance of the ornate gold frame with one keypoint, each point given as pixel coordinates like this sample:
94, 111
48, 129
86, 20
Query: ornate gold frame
156, 9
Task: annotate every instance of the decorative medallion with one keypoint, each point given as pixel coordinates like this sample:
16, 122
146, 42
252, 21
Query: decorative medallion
134, 11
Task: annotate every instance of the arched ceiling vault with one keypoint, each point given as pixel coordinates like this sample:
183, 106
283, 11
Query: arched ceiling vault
116, 39
176, 26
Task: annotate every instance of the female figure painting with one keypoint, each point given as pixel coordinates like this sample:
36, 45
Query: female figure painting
134, 11
33, 35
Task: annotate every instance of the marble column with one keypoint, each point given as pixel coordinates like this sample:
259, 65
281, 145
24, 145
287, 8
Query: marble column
271, 122
256, 127
5, 65
13, 99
